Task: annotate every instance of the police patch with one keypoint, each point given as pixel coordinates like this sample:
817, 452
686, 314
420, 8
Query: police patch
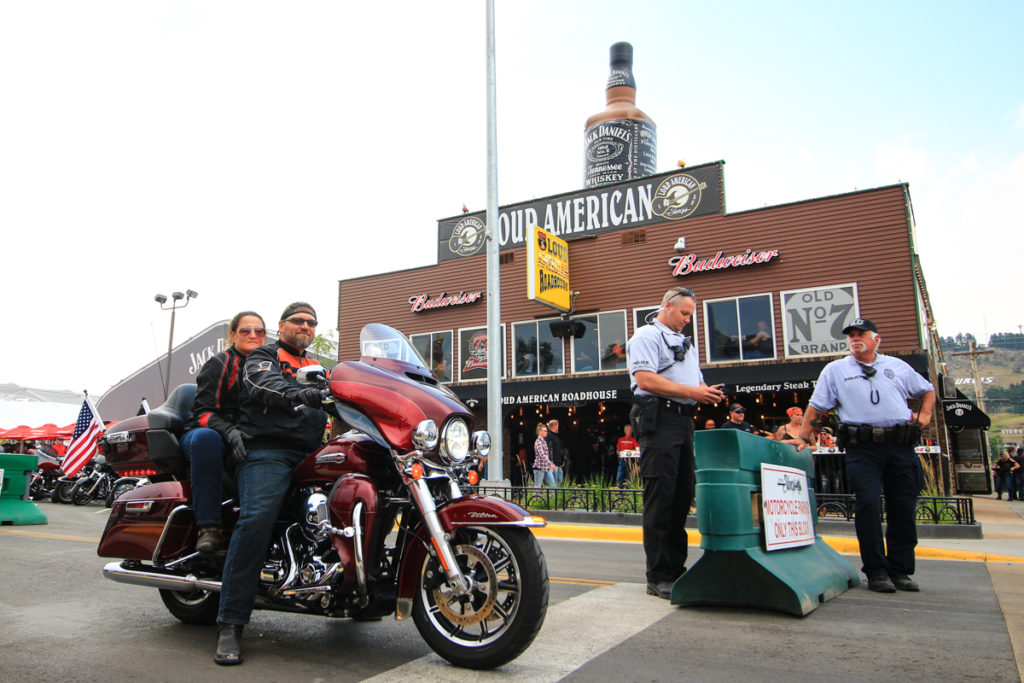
889, 373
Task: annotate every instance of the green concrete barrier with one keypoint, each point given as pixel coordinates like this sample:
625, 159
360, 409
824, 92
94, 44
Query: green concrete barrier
15, 505
736, 568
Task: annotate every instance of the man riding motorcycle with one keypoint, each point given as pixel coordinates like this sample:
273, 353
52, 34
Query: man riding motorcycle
278, 437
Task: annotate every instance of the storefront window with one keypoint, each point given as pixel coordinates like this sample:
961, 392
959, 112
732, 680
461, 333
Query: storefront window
436, 349
473, 353
640, 319
536, 350
603, 344
740, 329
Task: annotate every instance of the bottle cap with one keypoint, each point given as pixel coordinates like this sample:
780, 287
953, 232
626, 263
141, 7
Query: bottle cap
622, 66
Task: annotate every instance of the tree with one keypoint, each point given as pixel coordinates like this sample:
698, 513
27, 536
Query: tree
325, 346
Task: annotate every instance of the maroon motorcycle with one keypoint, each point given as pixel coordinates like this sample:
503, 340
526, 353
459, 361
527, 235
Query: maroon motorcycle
375, 523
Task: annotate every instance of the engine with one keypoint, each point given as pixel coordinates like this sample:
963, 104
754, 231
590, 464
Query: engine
302, 566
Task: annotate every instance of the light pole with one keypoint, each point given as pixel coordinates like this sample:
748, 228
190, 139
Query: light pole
175, 298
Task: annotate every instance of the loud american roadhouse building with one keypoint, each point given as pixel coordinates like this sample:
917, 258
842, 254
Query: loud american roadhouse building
775, 286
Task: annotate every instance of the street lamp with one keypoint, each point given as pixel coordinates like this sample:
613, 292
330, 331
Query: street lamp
176, 297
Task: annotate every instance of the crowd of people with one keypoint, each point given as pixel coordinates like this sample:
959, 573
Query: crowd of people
1008, 473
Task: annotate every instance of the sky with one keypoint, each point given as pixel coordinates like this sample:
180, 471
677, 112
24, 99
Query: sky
257, 152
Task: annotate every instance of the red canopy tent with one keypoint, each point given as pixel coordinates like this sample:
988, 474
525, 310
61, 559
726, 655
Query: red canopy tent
19, 433
66, 431
47, 432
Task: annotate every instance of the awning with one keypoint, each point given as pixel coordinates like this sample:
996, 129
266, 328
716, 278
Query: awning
962, 413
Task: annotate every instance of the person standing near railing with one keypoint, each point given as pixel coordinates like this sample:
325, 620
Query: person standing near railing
879, 432
543, 468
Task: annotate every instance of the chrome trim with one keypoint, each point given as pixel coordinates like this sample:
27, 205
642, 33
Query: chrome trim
357, 542
425, 503
331, 457
115, 572
293, 567
147, 505
425, 436
403, 608
163, 534
119, 437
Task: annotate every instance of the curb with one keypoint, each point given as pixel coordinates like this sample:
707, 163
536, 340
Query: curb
842, 545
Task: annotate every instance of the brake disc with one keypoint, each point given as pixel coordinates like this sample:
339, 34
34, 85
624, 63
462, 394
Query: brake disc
459, 610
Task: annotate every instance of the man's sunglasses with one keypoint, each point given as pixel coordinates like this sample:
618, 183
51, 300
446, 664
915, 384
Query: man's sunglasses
301, 321
246, 331
683, 291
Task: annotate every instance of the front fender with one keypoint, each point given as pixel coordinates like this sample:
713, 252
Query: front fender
473, 510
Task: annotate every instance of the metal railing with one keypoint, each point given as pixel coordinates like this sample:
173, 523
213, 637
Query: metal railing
930, 509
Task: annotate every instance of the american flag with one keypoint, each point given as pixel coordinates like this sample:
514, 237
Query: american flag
83, 439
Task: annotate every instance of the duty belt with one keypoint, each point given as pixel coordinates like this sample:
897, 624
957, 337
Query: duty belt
904, 434
677, 407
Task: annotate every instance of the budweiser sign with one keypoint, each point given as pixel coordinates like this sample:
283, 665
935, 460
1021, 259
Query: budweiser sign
425, 302
689, 263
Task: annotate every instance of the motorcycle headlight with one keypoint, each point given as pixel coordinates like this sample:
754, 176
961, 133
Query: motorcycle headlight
425, 436
481, 443
455, 441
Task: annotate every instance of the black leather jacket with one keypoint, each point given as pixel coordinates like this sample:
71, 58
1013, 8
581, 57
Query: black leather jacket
268, 411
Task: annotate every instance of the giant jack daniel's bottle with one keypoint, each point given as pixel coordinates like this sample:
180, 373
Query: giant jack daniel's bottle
621, 142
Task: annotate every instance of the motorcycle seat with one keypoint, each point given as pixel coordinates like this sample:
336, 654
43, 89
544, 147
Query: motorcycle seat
175, 411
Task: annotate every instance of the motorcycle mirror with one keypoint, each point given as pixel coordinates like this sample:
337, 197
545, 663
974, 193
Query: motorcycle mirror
311, 374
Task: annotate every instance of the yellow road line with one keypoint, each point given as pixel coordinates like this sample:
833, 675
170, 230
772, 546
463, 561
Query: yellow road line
40, 534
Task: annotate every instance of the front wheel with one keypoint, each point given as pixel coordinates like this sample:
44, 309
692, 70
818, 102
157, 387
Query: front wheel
197, 607
62, 492
503, 611
81, 494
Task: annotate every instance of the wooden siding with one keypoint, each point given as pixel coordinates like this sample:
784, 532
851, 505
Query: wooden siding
861, 237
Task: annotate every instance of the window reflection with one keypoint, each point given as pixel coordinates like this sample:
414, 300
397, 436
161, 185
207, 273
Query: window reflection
537, 351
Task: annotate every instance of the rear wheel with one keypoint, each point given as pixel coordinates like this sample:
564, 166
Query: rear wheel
502, 612
195, 607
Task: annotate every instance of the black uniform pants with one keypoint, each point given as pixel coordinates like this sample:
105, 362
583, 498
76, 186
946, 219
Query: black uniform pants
874, 468
667, 469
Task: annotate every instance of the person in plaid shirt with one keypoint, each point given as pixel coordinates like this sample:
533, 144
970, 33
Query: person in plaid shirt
543, 468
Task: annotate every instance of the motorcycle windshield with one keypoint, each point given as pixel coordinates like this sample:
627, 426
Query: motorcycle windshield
378, 341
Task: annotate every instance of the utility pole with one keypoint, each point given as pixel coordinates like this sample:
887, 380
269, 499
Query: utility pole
979, 390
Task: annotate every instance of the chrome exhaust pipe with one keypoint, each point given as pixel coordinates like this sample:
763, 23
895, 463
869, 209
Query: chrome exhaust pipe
153, 579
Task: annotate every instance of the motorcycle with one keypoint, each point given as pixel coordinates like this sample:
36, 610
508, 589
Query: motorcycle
44, 477
65, 485
96, 485
375, 522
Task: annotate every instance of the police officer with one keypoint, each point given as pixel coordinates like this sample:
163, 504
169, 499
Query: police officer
667, 386
879, 431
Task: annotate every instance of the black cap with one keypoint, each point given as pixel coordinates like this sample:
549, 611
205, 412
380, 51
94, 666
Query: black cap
860, 324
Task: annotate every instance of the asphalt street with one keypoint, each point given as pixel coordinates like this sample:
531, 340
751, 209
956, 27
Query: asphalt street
62, 620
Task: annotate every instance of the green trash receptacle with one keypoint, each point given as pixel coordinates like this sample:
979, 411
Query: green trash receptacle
15, 505
736, 568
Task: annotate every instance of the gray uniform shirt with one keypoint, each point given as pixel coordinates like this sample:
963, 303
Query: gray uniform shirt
649, 350
879, 401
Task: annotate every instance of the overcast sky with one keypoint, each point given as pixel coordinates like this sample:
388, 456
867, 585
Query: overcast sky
258, 152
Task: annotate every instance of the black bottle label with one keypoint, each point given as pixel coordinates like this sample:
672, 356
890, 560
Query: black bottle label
618, 150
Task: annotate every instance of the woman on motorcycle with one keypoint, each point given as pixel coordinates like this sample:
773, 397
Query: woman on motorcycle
213, 428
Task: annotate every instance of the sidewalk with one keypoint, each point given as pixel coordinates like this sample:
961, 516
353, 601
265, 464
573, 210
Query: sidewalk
1002, 525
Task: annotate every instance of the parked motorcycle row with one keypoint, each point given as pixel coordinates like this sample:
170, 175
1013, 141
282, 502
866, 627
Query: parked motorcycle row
95, 481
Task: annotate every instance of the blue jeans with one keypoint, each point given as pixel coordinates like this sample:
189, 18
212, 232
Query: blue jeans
547, 477
263, 481
1004, 482
1017, 488
204, 449
559, 475
623, 471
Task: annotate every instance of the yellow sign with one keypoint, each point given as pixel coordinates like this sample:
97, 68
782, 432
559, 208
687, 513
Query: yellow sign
547, 263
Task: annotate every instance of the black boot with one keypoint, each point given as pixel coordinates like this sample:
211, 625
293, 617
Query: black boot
229, 645
208, 542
